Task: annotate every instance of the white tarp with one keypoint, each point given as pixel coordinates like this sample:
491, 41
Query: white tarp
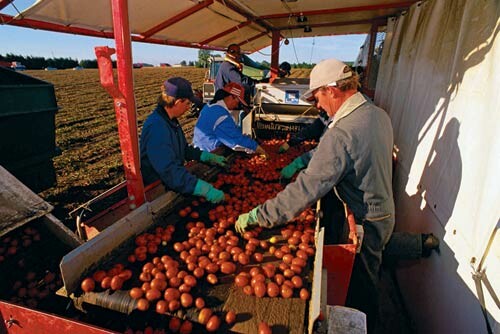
219, 23
439, 80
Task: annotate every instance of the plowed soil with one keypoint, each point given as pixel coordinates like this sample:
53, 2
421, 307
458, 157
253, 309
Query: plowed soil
86, 130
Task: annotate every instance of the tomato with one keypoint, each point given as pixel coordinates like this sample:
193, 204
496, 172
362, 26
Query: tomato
186, 327
273, 290
158, 284
174, 324
297, 282
190, 280
88, 284
259, 289
212, 279
248, 290
171, 294
286, 291
99, 275
264, 328
230, 317
241, 280
204, 316
142, 304
200, 303
136, 293
227, 267
161, 307
153, 294
186, 300
304, 294
213, 323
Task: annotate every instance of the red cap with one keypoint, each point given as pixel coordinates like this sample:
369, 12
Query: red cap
237, 90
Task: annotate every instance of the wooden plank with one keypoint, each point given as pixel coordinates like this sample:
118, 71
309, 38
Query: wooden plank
18, 204
282, 315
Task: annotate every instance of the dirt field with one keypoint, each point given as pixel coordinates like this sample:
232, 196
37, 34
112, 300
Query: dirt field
87, 135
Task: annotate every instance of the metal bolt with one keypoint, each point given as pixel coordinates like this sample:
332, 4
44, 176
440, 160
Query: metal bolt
11, 322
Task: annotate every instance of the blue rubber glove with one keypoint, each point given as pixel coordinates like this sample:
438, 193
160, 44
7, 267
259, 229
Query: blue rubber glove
206, 190
292, 168
213, 158
246, 221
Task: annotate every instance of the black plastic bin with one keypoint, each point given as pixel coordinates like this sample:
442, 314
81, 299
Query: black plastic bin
27, 128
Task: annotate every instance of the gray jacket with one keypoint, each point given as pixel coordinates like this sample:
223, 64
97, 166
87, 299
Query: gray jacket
354, 156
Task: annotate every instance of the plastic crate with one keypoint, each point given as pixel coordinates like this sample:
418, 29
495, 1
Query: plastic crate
27, 128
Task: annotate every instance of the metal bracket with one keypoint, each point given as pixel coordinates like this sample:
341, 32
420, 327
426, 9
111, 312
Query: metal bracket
11, 322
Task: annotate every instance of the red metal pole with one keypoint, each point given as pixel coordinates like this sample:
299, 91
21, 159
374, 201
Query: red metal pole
275, 53
125, 105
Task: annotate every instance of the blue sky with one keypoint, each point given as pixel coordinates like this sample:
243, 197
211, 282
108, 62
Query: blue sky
30, 42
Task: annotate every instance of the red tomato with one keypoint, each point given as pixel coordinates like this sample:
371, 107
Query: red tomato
213, 323
88, 285
264, 328
230, 317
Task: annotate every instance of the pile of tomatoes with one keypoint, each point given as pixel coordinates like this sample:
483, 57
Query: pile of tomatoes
174, 270
32, 278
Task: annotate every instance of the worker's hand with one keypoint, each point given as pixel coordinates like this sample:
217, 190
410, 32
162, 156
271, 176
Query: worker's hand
292, 168
213, 158
205, 189
246, 221
260, 151
283, 148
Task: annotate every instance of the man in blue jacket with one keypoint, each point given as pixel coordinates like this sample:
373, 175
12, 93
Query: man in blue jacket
231, 70
216, 127
164, 149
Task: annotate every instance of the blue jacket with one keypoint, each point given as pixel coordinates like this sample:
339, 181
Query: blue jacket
164, 150
227, 73
216, 127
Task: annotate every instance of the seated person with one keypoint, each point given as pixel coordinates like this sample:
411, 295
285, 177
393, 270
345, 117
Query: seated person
216, 127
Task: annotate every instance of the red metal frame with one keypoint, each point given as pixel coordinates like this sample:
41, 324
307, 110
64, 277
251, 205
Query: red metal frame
21, 320
124, 100
230, 30
177, 18
340, 10
253, 38
319, 25
338, 261
35, 24
4, 3
275, 53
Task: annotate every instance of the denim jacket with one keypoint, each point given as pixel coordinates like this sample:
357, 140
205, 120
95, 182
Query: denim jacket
164, 150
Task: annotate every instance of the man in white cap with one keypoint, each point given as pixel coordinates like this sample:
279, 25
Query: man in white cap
353, 157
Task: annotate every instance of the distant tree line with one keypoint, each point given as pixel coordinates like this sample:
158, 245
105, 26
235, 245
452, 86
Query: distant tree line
39, 63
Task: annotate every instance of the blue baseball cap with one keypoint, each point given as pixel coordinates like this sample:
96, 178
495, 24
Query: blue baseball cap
180, 88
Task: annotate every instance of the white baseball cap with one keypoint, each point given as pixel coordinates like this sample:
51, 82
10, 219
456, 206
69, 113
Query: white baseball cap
327, 73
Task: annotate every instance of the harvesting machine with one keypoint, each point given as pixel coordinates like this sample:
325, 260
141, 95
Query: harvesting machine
436, 79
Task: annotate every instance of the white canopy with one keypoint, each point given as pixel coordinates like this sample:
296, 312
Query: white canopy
214, 23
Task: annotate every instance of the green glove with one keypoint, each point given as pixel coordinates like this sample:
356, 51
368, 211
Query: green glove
206, 190
292, 168
213, 158
246, 221
283, 148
